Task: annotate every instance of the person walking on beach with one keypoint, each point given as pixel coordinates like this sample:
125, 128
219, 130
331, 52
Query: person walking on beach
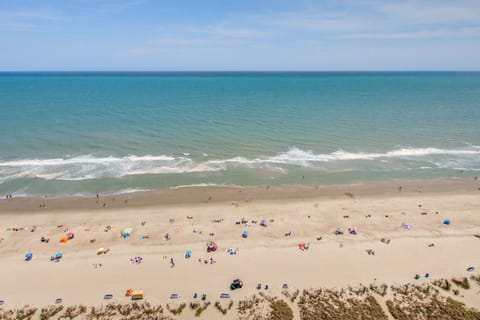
172, 263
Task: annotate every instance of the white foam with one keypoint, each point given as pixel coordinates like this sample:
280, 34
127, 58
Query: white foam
90, 167
88, 159
203, 185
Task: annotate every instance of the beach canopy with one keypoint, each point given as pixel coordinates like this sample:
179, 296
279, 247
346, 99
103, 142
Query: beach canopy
127, 232
212, 246
137, 294
245, 234
446, 222
28, 256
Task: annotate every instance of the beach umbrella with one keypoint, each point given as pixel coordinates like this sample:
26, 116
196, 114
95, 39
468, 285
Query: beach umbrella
188, 254
100, 250
127, 232
446, 222
212, 246
70, 235
263, 223
28, 256
340, 230
245, 234
59, 255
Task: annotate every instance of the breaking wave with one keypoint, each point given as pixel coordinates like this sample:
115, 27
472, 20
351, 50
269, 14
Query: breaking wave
90, 167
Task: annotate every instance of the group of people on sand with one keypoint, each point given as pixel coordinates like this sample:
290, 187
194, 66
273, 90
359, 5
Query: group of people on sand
207, 261
44, 239
136, 260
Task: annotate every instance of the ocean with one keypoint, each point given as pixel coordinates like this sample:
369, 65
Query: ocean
87, 133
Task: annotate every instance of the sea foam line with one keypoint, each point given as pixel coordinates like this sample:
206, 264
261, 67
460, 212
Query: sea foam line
90, 167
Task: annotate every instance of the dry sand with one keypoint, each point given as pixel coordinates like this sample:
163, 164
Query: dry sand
267, 256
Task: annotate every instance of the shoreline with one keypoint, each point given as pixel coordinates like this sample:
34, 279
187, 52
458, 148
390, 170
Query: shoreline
240, 194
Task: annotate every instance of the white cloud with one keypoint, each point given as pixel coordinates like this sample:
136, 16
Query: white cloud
433, 11
29, 20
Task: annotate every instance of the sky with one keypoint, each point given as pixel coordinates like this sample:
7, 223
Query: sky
184, 35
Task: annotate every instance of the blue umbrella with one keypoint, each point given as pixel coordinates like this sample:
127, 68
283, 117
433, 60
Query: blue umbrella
58, 255
29, 256
446, 222
245, 234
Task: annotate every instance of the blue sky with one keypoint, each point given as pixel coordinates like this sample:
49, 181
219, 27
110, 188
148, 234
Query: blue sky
239, 35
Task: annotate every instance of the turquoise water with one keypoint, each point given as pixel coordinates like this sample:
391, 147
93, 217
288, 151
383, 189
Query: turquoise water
83, 133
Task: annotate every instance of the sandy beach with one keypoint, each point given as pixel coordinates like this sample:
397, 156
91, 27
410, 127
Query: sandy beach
297, 247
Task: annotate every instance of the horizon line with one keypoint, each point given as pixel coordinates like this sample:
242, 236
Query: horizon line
237, 71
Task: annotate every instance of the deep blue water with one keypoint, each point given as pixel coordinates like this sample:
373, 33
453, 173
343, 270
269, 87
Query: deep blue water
79, 133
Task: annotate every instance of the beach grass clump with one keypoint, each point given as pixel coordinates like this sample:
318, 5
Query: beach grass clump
72, 312
435, 308
25, 313
132, 311
248, 304
194, 305
443, 284
49, 312
220, 308
462, 283
381, 290
475, 278
420, 302
178, 309
280, 310
252, 308
199, 308
202, 308
331, 304
263, 307
294, 295
396, 311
